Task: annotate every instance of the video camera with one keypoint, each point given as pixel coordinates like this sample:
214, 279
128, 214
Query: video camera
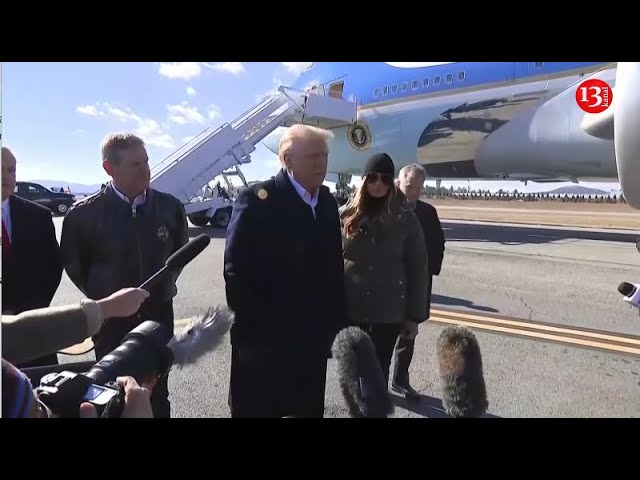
142, 354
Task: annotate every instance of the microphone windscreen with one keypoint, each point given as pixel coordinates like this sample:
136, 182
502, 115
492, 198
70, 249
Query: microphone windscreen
203, 335
626, 289
360, 376
188, 252
461, 373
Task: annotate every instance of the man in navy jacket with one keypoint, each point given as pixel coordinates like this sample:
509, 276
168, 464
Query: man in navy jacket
284, 277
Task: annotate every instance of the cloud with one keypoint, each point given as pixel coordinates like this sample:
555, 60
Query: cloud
296, 68
153, 134
276, 82
213, 112
90, 110
149, 129
188, 139
191, 91
185, 114
181, 70
234, 68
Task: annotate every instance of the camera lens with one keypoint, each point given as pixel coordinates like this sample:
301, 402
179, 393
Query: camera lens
142, 353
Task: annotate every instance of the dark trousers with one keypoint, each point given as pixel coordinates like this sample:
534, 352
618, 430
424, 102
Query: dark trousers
403, 353
384, 339
266, 384
110, 337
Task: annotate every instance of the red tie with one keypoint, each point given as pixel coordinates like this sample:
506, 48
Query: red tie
6, 243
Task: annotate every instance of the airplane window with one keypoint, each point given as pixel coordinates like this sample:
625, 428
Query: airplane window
449, 77
461, 76
405, 86
539, 64
394, 88
436, 81
426, 83
385, 91
376, 92
414, 85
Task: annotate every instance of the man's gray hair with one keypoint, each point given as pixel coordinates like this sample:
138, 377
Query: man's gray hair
116, 143
413, 168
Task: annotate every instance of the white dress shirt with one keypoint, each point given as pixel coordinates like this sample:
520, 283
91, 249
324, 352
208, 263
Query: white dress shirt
306, 196
6, 218
139, 200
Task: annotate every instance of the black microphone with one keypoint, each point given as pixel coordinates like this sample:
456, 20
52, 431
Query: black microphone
179, 259
461, 375
360, 376
626, 289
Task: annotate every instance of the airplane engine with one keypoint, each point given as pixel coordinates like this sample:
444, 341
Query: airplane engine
626, 130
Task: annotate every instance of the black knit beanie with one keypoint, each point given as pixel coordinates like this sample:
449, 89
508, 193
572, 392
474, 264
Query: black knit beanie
380, 163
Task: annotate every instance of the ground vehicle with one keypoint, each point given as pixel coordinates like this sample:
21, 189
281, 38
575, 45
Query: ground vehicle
58, 202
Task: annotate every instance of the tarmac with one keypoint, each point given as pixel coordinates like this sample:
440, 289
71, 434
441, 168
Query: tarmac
557, 340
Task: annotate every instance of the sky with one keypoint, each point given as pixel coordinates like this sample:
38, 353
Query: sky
55, 115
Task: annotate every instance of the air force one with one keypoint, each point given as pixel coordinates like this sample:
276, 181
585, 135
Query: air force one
475, 120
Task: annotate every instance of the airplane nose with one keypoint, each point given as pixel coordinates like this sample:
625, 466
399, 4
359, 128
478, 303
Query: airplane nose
272, 141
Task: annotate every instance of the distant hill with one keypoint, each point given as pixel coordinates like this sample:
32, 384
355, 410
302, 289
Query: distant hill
578, 190
76, 188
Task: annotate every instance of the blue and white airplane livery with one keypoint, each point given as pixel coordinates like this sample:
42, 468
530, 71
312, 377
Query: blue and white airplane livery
476, 120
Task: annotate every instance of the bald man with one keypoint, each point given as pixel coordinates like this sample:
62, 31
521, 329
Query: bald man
31, 261
283, 269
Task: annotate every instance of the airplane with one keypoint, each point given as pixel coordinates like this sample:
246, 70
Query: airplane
483, 120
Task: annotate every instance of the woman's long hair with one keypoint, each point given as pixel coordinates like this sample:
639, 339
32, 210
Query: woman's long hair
359, 201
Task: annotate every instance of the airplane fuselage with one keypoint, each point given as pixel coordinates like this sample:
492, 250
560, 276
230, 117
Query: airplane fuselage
517, 120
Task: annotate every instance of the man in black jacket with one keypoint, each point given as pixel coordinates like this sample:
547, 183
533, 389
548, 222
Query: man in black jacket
31, 262
121, 236
284, 276
411, 181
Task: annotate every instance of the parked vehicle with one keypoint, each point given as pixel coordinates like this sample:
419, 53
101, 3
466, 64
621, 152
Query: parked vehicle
58, 202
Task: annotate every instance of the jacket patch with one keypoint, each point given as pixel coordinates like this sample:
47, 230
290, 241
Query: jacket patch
163, 233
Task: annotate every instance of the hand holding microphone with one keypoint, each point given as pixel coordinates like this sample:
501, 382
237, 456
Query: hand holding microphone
123, 303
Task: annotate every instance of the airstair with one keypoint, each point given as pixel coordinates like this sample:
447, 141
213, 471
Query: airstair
187, 172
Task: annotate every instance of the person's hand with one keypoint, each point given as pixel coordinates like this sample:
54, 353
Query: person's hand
410, 329
123, 303
137, 400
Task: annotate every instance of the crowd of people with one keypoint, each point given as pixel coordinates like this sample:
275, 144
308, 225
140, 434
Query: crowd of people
298, 268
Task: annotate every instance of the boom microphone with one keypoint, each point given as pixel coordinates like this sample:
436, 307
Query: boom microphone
179, 259
461, 376
360, 376
201, 336
631, 293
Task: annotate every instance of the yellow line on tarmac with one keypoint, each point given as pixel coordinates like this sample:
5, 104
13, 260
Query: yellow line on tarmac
576, 336
580, 337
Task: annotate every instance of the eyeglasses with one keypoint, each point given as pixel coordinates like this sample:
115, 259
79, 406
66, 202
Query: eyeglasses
383, 177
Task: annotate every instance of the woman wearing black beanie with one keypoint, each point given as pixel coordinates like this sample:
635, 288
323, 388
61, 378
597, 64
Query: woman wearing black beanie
385, 259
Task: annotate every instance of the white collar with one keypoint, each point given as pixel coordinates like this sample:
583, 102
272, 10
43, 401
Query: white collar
304, 194
139, 200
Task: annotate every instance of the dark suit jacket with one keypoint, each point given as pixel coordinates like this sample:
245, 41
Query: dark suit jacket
433, 234
32, 273
284, 271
